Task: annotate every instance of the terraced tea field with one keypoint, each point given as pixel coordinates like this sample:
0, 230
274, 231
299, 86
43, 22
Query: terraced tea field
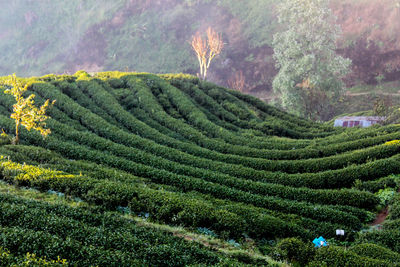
177, 151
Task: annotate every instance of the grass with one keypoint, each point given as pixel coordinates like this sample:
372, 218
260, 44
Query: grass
33, 194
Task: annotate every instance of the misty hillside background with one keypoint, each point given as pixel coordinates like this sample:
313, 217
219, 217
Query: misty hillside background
40, 37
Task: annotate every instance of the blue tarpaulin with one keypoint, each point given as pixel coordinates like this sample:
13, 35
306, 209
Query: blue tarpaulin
320, 242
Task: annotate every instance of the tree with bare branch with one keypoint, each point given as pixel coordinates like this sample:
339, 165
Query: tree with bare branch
207, 49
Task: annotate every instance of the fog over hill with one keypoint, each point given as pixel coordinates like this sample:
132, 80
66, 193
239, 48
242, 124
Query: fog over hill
40, 37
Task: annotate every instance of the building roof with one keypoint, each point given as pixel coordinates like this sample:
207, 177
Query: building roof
361, 118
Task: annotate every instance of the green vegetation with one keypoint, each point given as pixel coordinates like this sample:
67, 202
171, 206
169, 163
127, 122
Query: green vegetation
310, 71
144, 169
8, 259
25, 113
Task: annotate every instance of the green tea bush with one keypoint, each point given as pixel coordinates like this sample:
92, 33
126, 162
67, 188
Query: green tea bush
338, 256
294, 251
376, 252
189, 153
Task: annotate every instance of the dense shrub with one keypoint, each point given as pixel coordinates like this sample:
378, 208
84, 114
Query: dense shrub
79, 233
376, 252
188, 153
395, 208
375, 185
294, 251
389, 238
8, 259
338, 256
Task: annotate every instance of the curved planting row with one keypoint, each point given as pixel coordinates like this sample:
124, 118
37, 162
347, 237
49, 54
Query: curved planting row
170, 207
333, 163
219, 101
192, 154
266, 189
97, 92
159, 203
54, 230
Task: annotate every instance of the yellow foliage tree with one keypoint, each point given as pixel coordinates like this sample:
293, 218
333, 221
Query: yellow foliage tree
24, 111
207, 49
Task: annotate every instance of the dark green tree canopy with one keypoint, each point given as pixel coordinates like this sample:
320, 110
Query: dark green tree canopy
310, 72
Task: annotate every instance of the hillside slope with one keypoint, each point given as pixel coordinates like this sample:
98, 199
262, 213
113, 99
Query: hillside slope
182, 152
63, 37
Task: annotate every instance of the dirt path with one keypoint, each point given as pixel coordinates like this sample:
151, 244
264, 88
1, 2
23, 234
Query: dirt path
348, 93
381, 217
269, 96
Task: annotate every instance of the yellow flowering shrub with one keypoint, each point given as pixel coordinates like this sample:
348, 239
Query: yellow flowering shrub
33, 260
22, 172
4, 253
393, 142
30, 259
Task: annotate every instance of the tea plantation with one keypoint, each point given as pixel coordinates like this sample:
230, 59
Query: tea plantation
133, 157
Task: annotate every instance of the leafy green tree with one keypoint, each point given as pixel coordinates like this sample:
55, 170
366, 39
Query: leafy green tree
310, 72
24, 111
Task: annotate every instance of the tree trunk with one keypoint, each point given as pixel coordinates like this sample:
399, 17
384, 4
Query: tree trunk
17, 133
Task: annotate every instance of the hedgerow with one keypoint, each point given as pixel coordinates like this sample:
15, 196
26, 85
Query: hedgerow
338, 256
345, 197
376, 252
388, 238
30, 259
241, 115
187, 184
100, 172
49, 230
176, 208
184, 152
330, 163
158, 160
